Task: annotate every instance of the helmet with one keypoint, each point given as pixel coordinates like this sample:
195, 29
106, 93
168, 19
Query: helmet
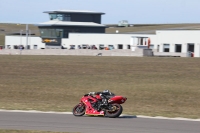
106, 91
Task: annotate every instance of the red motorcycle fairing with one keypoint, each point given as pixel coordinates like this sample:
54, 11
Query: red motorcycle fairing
117, 99
98, 97
87, 100
88, 105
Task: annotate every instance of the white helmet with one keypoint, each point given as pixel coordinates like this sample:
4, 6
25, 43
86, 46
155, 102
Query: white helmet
106, 91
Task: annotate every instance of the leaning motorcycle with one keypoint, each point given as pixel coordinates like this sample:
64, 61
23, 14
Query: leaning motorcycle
90, 104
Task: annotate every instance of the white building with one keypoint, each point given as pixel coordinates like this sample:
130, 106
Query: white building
83, 29
167, 41
178, 41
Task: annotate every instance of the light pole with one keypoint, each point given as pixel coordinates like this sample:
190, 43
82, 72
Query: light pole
21, 37
29, 42
27, 32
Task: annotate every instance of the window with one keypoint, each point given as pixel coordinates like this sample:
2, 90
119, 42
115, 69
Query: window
16, 47
8, 47
84, 46
56, 16
158, 48
55, 33
35, 47
141, 41
67, 17
151, 46
72, 47
166, 47
59, 33
52, 16
191, 47
120, 46
60, 17
101, 46
111, 47
178, 48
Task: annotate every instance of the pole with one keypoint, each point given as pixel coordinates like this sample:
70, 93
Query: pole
21, 37
29, 38
27, 32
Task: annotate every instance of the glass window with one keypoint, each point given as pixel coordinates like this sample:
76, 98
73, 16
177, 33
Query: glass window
52, 16
101, 46
8, 47
166, 48
35, 47
51, 33
178, 48
166, 45
191, 47
67, 17
151, 46
60, 17
56, 16
59, 33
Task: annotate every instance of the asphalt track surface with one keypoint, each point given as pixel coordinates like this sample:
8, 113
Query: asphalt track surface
85, 124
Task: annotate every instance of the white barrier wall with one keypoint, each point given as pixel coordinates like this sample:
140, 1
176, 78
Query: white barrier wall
34, 42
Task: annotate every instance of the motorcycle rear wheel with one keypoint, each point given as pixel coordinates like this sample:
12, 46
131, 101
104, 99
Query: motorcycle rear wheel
116, 113
79, 110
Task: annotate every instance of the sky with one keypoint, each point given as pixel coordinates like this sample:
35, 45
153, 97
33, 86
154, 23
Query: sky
134, 11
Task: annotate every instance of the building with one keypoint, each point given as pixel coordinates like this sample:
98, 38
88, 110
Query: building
82, 29
63, 22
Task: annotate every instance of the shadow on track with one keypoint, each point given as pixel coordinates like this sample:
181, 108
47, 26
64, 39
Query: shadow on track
120, 117
128, 116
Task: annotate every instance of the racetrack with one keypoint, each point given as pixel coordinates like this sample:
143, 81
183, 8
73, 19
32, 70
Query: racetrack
69, 123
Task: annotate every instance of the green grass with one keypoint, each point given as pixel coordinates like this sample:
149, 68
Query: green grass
154, 86
27, 131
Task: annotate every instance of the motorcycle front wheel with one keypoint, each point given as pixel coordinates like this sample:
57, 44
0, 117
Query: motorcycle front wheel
79, 110
116, 112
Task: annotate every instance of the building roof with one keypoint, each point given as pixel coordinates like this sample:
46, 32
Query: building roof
70, 23
74, 11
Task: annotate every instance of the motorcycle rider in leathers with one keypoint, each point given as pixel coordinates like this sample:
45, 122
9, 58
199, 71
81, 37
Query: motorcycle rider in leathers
103, 95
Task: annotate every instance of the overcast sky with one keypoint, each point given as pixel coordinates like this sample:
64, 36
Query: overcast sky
135, 11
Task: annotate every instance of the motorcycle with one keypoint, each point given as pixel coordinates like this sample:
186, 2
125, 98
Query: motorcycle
92, 105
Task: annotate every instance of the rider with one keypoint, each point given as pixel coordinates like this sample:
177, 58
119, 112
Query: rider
103, 95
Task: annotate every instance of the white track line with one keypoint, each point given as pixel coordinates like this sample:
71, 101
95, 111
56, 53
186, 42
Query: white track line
35, 111
138, 116
167, 118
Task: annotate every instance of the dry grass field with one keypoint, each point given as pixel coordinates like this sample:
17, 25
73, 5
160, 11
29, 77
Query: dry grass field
154, 86
15, 28
27, 131
151, 28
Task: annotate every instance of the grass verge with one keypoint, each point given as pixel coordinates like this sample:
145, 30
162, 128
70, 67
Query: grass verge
154, 86
27, 131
